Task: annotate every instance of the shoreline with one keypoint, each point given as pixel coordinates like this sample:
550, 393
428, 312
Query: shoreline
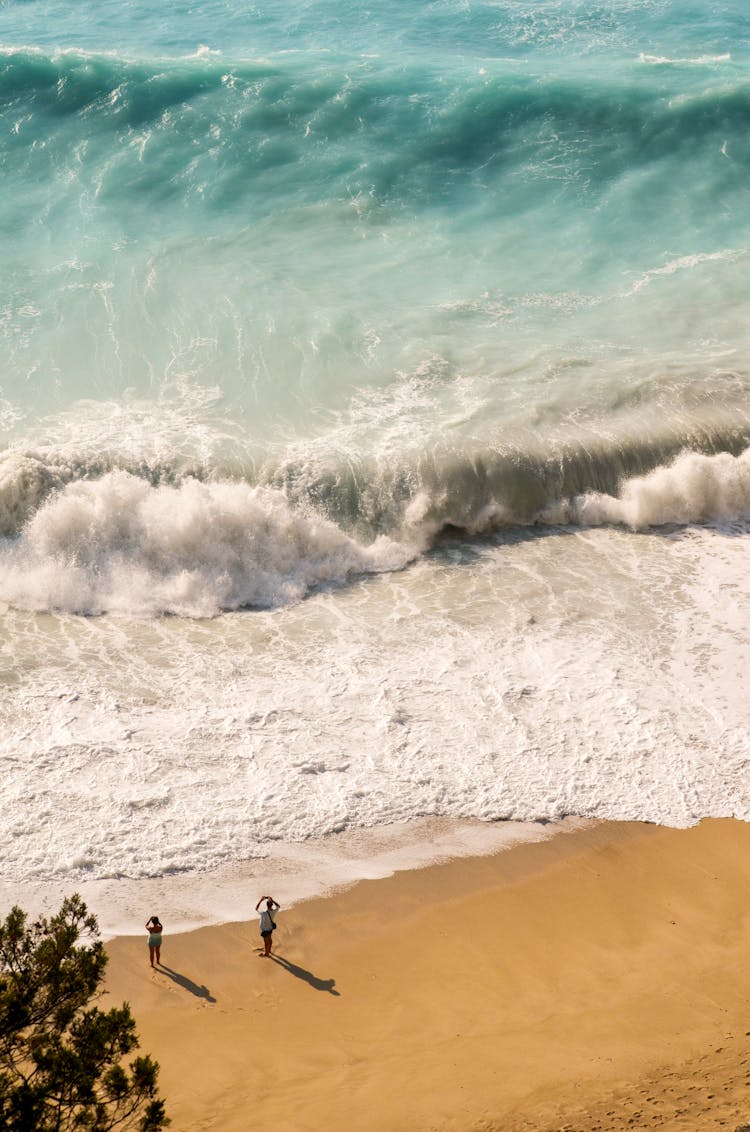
297, 871
544, 987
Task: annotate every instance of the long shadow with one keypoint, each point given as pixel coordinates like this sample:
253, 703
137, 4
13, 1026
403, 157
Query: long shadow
186, 983
306, 976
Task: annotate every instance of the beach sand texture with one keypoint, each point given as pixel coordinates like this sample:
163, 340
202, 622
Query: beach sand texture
596, 981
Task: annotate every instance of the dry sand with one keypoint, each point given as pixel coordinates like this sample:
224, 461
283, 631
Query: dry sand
596, 981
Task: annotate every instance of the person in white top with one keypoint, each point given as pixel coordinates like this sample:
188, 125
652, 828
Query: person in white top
267, 922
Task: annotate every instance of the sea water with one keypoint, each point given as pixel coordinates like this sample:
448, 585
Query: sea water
374, 435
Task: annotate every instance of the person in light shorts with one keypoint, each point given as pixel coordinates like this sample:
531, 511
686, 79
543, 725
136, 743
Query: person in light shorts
267, 922
154, 929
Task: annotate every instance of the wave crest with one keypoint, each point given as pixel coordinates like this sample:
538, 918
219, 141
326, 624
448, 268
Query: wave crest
694, 488
119, 544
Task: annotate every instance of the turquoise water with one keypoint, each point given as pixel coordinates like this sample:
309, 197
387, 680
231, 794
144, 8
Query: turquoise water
491, 216
417, 312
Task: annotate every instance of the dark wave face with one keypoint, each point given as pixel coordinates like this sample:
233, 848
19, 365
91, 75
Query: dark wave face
218, 135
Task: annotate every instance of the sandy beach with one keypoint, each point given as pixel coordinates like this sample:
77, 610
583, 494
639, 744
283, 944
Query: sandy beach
593, 982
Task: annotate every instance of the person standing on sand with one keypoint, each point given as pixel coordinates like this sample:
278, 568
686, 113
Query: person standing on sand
267, 923
154, 929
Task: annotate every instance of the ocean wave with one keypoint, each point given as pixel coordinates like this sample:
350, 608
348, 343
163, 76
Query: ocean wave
686, 263
171, 543
201, 126
120, 544
693, 488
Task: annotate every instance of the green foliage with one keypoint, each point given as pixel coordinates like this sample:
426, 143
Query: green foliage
66, 1065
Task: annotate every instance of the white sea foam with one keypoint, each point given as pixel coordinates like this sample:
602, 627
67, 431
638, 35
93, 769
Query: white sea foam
685, 263
293, 871
697, 61
531, 679
692, 489
122, 545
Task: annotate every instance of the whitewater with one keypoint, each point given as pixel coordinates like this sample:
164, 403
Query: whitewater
374, 437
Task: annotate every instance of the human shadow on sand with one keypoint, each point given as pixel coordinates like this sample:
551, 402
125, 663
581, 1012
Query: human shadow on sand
186, 983
306, 976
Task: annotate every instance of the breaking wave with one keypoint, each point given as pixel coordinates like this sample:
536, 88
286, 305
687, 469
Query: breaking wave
123, 542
